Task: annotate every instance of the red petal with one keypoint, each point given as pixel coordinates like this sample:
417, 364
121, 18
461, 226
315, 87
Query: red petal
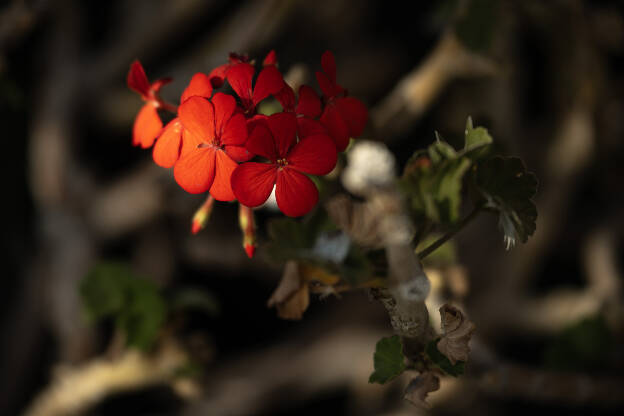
224, 106
284, 129
308, 127
329, 88
197, 116
261, 143
252, 183
200, 85
159, 83
258, 119
190, 142
309, 102
239, 153
239, 76
337, 127
235, 132
147, 126
286, 97
137, 80
221, 189
217, 75
295, 193
270, 81
270, 59
326, 85
329, 65
195, 172
354, 113
167, 149
315, 155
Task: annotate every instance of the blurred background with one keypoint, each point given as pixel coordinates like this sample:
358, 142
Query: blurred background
546, 79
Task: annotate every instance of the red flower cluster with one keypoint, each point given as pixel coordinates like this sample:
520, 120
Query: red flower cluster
211, 141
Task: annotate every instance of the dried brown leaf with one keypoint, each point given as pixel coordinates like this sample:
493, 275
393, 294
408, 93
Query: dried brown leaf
290, 283
456, 333
417, 390
296, 305
291, 297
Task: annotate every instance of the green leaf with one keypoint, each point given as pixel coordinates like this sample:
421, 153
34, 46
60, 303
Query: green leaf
584, 346
476, 140
111, 290
441, 150
433, 178
449, 187
508, 188
389, 360
441, 361
192, 298
433, 182
103, 289
143, 316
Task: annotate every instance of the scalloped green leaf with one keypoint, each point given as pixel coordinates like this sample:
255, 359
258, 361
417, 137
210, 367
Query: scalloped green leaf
508, 188
388, 359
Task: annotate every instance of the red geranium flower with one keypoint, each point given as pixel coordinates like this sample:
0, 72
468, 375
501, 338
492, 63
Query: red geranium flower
214, 135
343, 116
169, 144
147, 124
275, 140
307, 108
240, 77
217, 75
168, 148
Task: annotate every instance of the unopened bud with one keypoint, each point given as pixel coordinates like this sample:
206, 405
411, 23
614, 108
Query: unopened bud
270, 59
248, 227
202, 215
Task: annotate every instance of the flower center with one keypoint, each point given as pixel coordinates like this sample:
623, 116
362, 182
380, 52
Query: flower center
214, 142
282, 162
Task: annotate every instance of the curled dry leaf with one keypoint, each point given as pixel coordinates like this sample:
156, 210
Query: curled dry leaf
456, 333
292, 296
417, 390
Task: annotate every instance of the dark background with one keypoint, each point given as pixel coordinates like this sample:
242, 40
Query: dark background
547, 80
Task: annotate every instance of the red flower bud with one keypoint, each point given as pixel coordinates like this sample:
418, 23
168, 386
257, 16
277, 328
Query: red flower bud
202, 215
248, 226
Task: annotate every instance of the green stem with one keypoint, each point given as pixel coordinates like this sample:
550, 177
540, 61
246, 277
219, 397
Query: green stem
450, 234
